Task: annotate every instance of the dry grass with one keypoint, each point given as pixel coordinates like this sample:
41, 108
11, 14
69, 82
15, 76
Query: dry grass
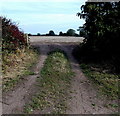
16, 65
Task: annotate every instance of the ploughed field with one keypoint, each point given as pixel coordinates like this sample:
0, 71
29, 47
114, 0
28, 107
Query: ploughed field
61, 39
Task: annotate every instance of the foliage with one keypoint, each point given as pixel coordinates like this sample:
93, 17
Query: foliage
51, 33
71, 32
15, 54
82, 32
12, 36
38, 34
61, 33
102, 29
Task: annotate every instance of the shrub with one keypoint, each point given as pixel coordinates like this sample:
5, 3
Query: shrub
12, 36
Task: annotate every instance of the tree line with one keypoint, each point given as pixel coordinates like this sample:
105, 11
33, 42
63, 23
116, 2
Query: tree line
70, 32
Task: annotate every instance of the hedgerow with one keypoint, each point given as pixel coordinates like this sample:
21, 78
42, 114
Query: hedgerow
12, 37
16, 52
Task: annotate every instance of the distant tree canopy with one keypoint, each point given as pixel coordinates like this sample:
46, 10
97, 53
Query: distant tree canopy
71, 32
38, 34
102, 28
29, 34
61, 33
51, 33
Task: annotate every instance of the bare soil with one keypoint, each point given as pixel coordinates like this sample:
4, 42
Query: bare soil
85, 97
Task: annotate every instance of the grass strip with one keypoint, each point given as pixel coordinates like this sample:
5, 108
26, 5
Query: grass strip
106, 82
54, 83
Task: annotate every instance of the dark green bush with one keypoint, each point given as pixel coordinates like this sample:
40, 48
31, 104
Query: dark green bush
102, 29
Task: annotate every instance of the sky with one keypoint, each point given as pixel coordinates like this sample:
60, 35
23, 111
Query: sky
41, 16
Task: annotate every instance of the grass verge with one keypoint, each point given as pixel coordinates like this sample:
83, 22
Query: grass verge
54, 83
16, 65
106, 82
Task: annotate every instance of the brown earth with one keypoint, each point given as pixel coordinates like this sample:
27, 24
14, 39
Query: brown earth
85, 97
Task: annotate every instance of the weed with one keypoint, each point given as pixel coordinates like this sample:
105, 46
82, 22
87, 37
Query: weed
29, 73
113, 105
93, 104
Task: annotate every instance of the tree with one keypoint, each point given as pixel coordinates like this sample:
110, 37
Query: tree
61, 33
102, 28
51, 33
38, 34
29, 34
71, 32
101, 25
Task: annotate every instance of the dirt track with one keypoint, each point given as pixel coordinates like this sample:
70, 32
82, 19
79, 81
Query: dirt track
85, 99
